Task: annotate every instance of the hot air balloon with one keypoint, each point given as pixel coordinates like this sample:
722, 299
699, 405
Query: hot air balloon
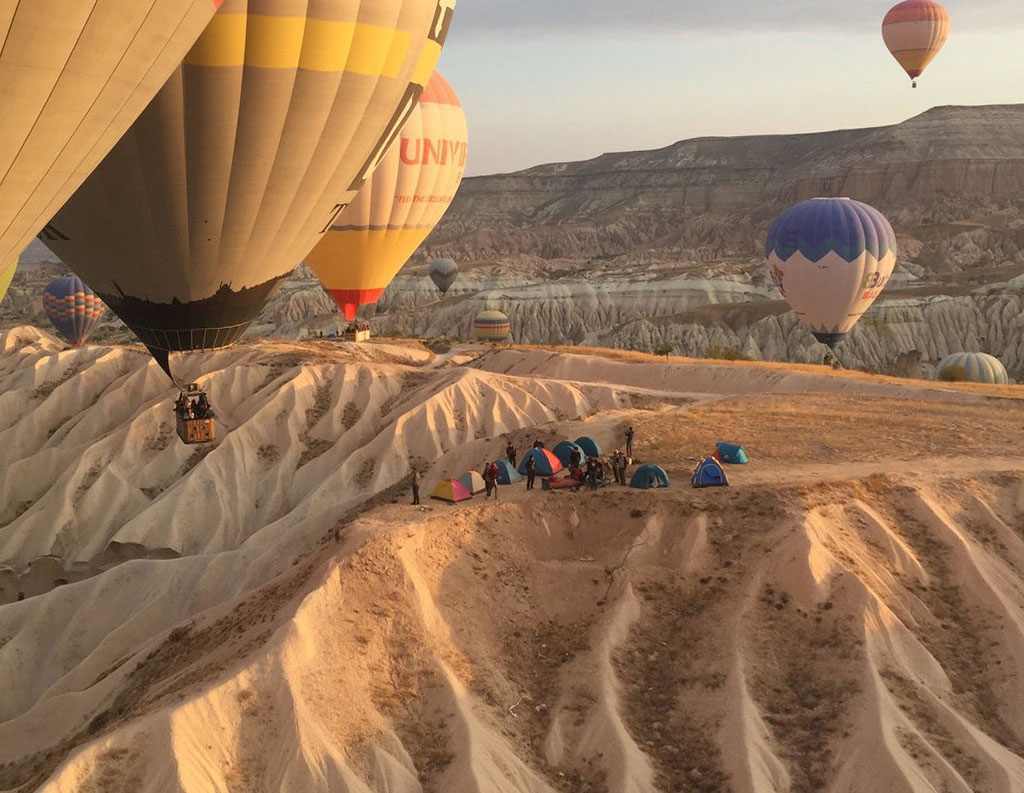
6, 276
915, 31
443, 273
399, 206
73, 308
831, 258
973, 367
240, 164
74, 75
491, 325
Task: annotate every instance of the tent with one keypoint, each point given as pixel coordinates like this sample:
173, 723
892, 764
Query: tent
589, 446
646, 474
473, 482
451, 490
709, 474
507, 474
564, 450
545, 461
732, 453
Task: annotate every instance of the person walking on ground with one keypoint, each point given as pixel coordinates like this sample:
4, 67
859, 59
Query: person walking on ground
510, 453
617, 466
488, 480
531, 472
629, 441
415, 488
493, 471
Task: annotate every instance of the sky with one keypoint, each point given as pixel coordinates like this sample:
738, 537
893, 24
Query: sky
558, 80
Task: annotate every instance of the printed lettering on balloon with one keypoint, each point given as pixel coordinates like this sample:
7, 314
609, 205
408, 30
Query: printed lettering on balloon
442, 21
424, 151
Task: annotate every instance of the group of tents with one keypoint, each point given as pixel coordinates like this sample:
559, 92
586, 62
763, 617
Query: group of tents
547, 464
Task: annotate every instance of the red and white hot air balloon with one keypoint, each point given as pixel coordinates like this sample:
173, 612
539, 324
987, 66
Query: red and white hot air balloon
398, 207
915, 31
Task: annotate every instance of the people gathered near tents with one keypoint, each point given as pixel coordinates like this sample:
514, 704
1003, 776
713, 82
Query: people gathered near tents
574, 465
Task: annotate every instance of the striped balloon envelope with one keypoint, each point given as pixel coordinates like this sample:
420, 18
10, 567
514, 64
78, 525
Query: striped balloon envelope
973, 367
6, 276
915, 31
831, 258
399, 206
74, 74
269, 128
72, 308
491, 325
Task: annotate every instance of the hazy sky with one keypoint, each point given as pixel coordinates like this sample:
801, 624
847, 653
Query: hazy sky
552, 80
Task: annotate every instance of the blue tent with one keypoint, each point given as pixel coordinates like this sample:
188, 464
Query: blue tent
564, 450
506, 473
589, 446
545, 462
732, 453
709, 474
648, 476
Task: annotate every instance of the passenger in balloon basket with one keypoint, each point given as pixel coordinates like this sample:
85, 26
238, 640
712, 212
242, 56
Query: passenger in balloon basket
183, 407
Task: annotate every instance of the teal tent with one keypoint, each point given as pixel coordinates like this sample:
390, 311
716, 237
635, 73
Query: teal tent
564, 450
507, 474
649, 476
589, 446
732, 453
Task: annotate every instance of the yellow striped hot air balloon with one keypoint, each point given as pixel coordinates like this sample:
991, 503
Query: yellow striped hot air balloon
6, 276
74, 74
399, 206
240, 164
492, 325
915, 31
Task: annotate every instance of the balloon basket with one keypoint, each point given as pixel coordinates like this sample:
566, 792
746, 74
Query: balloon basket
195, 418
196, 431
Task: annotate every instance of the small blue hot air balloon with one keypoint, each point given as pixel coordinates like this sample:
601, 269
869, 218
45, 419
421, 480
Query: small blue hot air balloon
831, 258
73, 308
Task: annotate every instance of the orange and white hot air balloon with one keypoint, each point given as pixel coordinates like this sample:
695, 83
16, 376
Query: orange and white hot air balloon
399, 205
915, 31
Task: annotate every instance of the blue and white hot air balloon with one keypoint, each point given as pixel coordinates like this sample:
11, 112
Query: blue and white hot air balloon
831, 258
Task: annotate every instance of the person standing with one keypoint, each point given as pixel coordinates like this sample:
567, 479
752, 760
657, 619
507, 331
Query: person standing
575, 459
492, 475
488, 480
510, 454
415, 488
531, 471
629, 441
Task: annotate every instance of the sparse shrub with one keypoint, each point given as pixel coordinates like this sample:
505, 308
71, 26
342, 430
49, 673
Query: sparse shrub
664, 349
719, 353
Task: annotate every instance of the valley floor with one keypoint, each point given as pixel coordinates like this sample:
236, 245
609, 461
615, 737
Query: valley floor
272, 615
